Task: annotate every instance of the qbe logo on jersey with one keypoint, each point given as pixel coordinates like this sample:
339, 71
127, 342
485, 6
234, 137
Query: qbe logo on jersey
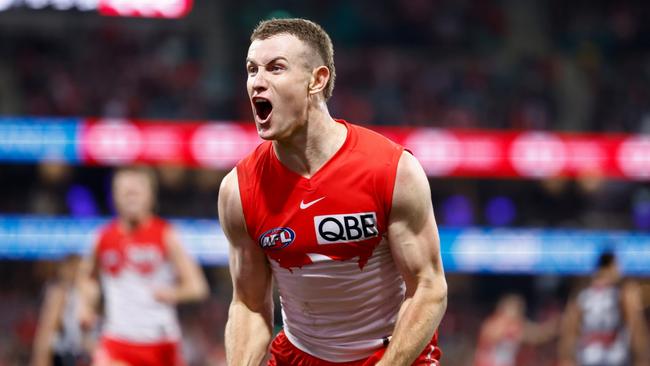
344, 228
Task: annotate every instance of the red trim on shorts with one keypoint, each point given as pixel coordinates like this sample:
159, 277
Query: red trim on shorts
284, 353
136, 354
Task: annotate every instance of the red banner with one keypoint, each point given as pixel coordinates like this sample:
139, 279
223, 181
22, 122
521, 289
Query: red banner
476, 153
145, 8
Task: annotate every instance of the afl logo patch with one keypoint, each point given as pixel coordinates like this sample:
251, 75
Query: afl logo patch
277, 238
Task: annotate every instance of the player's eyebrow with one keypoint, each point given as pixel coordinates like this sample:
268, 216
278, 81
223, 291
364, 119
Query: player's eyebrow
249, 60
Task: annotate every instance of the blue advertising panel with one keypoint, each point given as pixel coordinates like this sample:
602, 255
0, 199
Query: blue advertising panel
484, 250
38, 237
26, 139
474, 250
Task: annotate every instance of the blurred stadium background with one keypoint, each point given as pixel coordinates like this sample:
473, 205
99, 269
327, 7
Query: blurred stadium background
532, 119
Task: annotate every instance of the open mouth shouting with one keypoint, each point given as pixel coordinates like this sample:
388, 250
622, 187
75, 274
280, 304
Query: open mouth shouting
263, 109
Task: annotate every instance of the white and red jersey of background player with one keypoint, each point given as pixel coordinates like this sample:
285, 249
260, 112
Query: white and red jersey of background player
132, 265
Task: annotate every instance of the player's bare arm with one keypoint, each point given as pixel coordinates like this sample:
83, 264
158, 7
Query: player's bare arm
536, 333
250, 317
633, 312
48, 321
191, 284
415, 245
89, 291
569, 334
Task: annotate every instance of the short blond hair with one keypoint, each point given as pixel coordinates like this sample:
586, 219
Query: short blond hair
307, 31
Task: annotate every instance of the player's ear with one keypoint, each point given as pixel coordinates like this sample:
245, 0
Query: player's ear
319, 78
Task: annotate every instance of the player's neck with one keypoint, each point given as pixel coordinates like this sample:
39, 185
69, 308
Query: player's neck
132, 223
605, 279
313, 144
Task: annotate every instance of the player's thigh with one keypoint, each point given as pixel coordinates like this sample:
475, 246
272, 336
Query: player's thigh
120, 363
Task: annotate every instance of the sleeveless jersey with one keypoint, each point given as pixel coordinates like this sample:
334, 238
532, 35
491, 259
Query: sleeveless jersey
325, 238
501, 352
604, 339
132, 266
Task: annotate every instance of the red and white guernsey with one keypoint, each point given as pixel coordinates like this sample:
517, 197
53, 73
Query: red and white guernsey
502, 351
325, 238
132, 266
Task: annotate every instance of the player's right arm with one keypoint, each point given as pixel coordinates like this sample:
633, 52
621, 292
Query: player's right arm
48, 322
570, 329
88, 290
250, 317
536, 333
636, 323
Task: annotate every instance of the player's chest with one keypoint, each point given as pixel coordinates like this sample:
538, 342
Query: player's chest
133, 254
321, 221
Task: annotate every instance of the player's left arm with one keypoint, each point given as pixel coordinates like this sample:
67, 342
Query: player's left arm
633, 309
569, 331
191, 284
415, 246
536, 333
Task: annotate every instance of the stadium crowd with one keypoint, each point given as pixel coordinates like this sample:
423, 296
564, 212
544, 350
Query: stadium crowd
578, 66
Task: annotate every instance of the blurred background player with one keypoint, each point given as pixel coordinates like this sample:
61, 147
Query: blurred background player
503, 333
144, 272
59, 339
604, 324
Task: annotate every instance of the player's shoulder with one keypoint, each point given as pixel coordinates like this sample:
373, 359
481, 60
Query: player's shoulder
231, 213
372, 139
254, 157
249, 169
109, 228
410, 167
107, 235
229, 184
629, 287
229, 196
158, 223
373, 150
